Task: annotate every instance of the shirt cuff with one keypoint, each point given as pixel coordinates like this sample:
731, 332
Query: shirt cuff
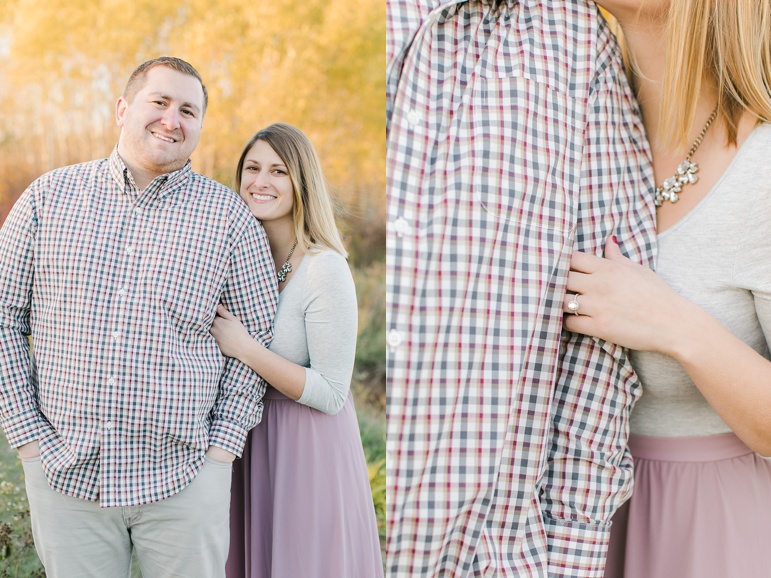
576, 549
228, 436
23, 428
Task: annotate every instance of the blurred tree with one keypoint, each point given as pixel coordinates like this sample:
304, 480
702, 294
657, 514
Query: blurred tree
317, 64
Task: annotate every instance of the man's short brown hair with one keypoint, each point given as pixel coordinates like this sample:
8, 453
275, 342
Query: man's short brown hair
137, 78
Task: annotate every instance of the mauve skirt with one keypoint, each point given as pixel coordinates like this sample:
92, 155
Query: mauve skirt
301, 504
701, 508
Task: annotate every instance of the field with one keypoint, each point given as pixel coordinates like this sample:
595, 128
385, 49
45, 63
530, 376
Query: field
17, 553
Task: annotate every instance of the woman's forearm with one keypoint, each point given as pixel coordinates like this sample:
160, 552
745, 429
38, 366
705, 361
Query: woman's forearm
285, 376
733, 377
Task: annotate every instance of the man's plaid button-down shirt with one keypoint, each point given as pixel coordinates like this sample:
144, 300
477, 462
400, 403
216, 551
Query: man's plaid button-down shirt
119, 289
513, 140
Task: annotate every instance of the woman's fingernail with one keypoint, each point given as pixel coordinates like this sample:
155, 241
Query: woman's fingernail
614, 239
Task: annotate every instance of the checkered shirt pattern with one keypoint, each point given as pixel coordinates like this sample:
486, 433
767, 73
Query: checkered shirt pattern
127, 388
513, 139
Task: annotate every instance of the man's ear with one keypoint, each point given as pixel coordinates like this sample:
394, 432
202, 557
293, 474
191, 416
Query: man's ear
120, 110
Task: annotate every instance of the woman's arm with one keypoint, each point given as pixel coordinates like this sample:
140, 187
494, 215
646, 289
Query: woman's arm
234, 341
331, 328
628, 304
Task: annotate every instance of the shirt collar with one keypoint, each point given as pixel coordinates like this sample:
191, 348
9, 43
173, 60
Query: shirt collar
160, 187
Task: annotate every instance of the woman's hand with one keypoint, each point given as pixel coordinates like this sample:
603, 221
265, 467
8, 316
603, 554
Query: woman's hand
232, 337
629, 304
625, 303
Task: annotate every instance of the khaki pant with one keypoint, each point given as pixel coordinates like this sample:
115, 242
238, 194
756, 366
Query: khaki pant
185, 536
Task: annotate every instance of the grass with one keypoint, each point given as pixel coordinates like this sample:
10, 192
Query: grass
17, 551
372, 428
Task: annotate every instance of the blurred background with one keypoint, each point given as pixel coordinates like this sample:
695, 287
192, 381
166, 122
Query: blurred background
316, 64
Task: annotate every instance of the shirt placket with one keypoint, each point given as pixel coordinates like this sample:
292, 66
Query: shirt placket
409, 133
133, 256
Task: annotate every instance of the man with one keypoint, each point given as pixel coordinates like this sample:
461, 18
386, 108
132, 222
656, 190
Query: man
513, 139
129, 421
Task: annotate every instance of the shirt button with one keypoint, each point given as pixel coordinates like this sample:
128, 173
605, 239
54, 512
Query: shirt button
129, 250
394, 338
402, 226
413, 117
122, 292
137, 211
115, 335
108, 426
111, 381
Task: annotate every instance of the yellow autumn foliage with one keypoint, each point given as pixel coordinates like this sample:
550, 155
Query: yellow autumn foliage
317, 64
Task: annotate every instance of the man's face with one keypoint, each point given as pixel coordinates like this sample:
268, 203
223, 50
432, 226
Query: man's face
162, 123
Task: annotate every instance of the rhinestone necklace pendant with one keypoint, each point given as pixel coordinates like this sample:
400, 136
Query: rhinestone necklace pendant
685, 174
671, 188
286, 268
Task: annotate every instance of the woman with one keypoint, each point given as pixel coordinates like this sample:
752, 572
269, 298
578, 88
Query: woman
702, 497
301, 502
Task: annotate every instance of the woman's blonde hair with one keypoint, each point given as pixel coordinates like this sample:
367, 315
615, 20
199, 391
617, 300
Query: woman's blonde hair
312, 212
726, 43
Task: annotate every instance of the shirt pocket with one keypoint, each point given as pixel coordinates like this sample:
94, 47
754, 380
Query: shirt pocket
527, 149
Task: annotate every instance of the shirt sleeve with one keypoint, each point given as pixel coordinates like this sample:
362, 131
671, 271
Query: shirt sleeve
251, 294
19, 413
331, 327
589, 470
403, 19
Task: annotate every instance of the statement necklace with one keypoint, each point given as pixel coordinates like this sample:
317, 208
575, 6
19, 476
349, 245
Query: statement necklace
686, 171
286, 268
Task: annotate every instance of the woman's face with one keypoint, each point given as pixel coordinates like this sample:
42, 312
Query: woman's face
266, 185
